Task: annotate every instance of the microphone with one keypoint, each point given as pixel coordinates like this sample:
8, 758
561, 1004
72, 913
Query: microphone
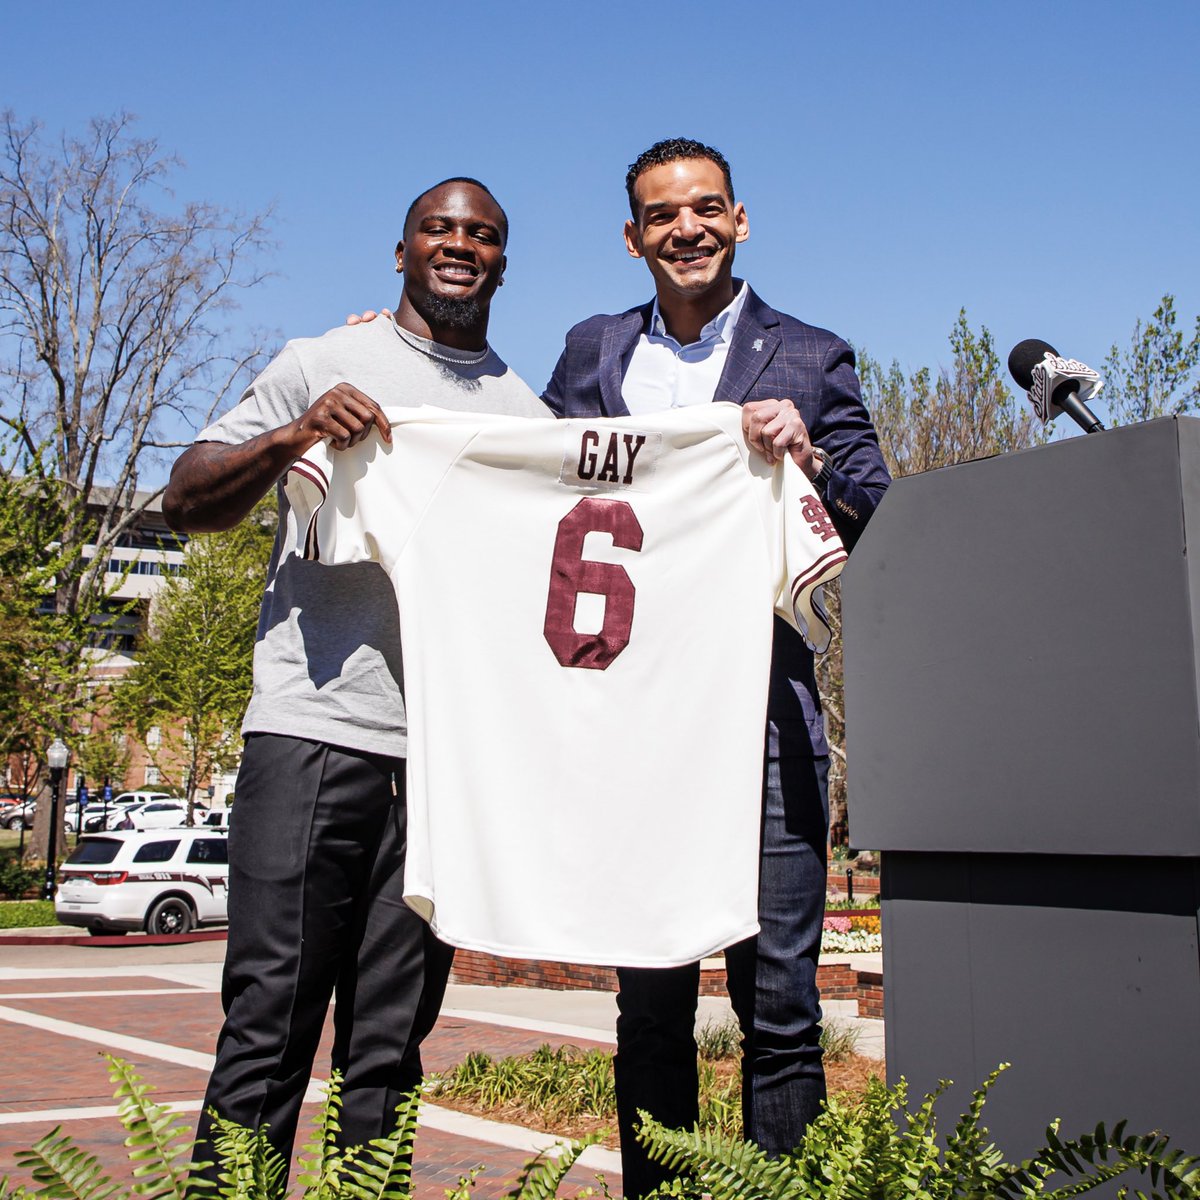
1055, 383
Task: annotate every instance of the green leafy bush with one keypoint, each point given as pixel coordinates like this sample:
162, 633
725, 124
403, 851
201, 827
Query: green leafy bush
839, 900
861, 1151
26, 914
18, 879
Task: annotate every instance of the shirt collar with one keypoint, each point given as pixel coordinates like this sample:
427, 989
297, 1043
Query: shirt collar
720, 328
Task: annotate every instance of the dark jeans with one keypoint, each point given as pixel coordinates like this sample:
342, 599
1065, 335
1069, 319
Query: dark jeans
772, 984
316, 849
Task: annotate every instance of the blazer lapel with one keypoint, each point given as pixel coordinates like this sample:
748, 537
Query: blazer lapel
755, 340
618, 339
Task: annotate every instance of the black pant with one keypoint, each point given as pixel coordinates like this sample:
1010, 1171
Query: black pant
316, 849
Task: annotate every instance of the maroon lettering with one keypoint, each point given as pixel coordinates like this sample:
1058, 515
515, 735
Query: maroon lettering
813, 511
632, 446
609, 472
571, 573
587, 456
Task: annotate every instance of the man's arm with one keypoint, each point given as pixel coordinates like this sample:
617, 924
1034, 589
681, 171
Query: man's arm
555, 395
843, 429
214, 484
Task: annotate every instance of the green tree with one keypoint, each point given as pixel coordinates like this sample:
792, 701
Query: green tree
193, 672
1156, 376
41, 655
925, 420
101, 752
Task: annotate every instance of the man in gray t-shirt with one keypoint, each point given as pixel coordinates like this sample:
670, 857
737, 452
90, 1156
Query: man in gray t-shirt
317, 841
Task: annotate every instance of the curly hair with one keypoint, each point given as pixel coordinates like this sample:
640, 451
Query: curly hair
673, 150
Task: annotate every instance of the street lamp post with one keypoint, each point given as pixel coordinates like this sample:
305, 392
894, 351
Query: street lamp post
57, 757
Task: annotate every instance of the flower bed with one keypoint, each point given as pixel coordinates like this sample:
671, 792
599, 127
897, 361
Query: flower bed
852, 932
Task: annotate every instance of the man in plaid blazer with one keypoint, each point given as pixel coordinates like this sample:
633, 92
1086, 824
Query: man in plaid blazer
707, 336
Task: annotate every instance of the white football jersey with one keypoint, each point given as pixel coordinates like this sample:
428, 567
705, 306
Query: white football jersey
586, 612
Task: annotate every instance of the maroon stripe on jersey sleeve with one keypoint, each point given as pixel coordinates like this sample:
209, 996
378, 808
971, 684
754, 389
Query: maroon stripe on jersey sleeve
820, 570
315, 476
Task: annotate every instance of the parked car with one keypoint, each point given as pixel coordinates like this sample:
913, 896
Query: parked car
96, 817
98, 814
212, 818
162, 881
140, 797
151, 814
120, 816
159, 814
19, 816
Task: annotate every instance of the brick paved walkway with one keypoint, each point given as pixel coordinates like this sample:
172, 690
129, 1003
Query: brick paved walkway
55, 1025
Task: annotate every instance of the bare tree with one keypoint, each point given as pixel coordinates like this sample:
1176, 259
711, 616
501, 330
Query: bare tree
112, 337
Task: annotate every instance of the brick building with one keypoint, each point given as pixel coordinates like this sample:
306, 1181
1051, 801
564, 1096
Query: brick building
137, 567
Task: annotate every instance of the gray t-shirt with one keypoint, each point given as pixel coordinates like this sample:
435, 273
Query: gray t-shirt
327, 663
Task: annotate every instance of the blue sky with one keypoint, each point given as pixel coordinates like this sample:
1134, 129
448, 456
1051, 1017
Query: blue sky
1034, 163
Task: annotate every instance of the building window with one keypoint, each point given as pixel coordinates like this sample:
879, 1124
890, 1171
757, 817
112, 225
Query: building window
152, 777
154, 739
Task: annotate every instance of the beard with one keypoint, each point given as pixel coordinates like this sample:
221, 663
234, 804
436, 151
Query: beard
456, 314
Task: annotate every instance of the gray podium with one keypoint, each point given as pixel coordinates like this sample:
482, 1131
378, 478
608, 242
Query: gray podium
1022, 657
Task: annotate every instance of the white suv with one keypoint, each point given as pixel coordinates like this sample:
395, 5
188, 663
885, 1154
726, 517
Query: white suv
163, 881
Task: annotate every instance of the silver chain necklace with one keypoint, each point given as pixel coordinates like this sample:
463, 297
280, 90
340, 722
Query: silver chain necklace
465, 359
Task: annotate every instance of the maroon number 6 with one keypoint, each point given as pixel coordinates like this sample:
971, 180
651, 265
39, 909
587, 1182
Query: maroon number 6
571, 573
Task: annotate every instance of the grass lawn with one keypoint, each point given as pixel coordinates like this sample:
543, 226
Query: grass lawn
10, 839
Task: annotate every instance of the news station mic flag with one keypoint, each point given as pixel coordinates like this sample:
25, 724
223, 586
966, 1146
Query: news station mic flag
1055, 384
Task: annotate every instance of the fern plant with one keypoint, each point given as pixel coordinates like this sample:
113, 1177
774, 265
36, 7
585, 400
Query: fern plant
160, 1148
861, 1151
873, 1149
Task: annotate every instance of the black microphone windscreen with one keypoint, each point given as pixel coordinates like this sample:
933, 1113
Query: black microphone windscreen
1024, 357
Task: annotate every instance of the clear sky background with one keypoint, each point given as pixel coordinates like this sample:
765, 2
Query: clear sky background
1035, 163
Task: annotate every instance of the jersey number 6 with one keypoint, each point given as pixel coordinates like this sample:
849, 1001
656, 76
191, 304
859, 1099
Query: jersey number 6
571, 573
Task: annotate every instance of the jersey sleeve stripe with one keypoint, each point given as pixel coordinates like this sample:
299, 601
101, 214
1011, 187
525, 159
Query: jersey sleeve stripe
808, 603
315, 476
824, 569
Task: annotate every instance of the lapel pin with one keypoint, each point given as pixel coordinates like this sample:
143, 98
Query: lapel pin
758, 345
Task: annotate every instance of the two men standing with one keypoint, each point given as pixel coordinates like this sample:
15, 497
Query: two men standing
705, 336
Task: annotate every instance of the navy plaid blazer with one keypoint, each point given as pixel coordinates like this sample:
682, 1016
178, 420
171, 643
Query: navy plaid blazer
771, 356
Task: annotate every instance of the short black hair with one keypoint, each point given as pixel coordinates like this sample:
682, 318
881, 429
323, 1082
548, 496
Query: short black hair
483, 187
673, 150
